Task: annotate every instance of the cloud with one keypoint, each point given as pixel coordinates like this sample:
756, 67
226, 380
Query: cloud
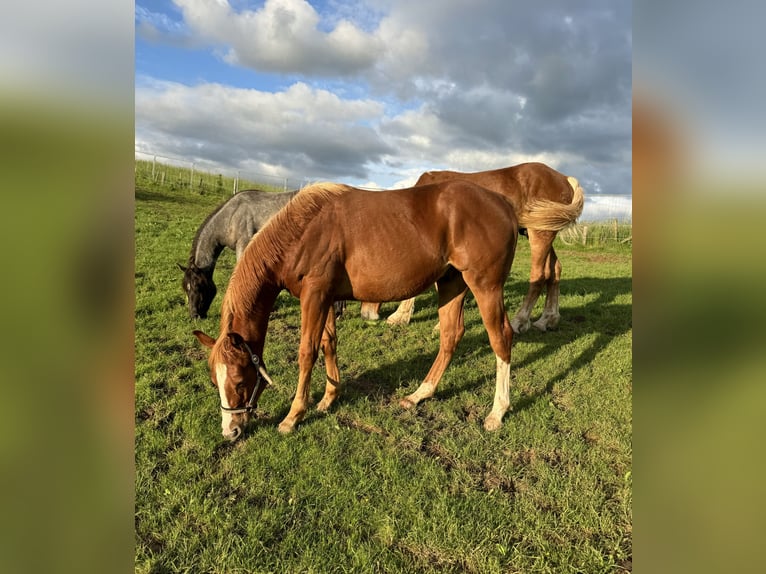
282, 36
607, 208
158, 27
301, 130
470, 86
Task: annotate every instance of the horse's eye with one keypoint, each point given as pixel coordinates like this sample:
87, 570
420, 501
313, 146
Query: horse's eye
240, 387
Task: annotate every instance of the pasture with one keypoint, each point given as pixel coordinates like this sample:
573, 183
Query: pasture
369, 487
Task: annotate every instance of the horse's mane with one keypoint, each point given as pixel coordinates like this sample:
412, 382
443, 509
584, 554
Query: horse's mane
267, 247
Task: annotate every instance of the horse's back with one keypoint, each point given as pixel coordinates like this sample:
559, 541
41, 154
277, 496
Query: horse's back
433, 208
519, 183
426, 229
247, 212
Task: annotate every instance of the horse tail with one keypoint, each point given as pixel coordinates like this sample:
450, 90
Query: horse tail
547, 215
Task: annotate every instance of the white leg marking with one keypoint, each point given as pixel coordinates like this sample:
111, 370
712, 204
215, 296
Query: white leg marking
368, 313
220, 375
403, 313
502, 396
424, 391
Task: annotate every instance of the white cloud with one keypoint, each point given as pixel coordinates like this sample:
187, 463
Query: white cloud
607, 207
282, 36
470, 86
301, 130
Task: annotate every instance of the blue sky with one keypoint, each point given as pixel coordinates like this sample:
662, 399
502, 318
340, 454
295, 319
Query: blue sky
375, 92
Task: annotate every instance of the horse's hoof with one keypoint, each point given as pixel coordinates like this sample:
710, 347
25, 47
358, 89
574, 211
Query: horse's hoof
285, 428
519, 326
406, 404
394, 320
323, 406
492, 423
545, 323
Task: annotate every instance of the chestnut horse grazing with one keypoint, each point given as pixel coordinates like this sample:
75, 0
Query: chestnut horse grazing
334, 242
545, 202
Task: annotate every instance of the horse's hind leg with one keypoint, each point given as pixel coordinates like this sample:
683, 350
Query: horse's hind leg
540, 243
403, 313
492, 309
329, 344
550, 317
370, 311
452, 293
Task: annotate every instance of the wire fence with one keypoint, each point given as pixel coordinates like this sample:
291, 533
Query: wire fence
605, 218
175, 173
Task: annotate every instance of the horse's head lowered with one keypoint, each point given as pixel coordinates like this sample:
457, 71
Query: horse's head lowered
240, 377
199, 288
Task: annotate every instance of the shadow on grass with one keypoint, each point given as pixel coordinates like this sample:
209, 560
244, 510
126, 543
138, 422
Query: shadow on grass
601, 317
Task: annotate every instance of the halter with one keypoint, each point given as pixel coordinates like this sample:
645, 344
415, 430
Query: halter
261, 383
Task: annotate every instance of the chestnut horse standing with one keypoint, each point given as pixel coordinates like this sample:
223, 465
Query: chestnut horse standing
334, 242
545, 202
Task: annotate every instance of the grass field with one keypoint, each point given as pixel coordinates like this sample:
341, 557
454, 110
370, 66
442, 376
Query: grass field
370, 487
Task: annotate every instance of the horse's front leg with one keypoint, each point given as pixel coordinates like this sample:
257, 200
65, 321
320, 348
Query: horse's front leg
315, 307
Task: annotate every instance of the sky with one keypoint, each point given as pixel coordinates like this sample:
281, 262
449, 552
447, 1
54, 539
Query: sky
375, 92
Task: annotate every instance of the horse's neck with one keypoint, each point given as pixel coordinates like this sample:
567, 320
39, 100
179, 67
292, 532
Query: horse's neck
254, 324
208, 245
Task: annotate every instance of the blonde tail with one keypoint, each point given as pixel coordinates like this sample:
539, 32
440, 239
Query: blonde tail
547, 215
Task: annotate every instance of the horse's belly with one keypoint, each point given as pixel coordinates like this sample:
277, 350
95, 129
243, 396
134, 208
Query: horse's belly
392, 279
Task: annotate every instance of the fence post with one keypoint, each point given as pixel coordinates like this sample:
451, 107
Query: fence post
236, 183
191, 177
154, 160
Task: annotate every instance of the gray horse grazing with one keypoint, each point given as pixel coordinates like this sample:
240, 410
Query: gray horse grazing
231, 225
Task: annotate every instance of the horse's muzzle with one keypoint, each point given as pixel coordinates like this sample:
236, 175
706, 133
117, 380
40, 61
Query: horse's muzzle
234, 434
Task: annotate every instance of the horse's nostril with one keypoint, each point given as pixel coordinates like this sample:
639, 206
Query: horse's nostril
236, 431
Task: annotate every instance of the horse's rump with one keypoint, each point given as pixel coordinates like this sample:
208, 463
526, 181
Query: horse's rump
543, 198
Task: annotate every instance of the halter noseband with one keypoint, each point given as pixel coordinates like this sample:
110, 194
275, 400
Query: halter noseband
263, 380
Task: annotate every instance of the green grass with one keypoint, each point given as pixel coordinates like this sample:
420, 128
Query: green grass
158, 175
370, 487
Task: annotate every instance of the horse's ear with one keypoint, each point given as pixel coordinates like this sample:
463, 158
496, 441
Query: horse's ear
206, 340
181, 267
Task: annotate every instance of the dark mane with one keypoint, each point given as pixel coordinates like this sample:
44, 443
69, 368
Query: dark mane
268, 246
